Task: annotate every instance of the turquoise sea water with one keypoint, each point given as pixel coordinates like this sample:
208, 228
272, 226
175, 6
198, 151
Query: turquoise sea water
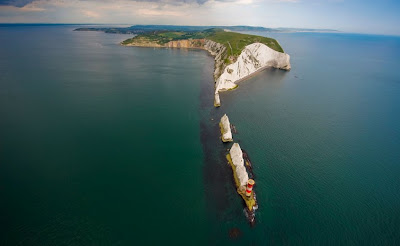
108, 145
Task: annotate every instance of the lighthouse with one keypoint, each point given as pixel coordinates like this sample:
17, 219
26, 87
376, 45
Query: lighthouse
249, 187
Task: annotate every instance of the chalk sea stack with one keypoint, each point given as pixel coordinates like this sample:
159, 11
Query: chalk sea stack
235, 159
225, 125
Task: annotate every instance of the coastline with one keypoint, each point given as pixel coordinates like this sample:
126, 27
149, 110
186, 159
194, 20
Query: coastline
228, 79
250, 58
163, 47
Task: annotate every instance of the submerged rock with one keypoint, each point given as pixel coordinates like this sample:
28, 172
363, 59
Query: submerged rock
225, 129
235, 233
253, 58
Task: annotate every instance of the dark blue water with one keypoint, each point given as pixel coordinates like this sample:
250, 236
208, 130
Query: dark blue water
108, 145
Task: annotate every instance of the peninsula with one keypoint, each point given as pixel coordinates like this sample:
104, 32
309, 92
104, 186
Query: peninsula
237, 56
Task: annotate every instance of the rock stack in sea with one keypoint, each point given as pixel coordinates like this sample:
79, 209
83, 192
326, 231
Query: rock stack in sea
225, 126
217, 101
244, 185
237, 160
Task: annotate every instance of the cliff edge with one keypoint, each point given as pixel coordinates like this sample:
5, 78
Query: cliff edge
252, 59
236, 55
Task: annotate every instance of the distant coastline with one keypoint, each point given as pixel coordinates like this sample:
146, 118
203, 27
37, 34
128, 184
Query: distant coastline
138, 29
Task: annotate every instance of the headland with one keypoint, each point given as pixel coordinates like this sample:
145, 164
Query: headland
237, 56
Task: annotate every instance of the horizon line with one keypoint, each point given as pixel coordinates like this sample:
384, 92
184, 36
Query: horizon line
328, 30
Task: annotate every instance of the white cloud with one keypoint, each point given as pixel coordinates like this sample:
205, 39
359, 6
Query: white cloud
90, 14
180, 12
155, 12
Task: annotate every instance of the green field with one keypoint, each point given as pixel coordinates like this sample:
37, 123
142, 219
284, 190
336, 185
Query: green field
163, 37
235, 42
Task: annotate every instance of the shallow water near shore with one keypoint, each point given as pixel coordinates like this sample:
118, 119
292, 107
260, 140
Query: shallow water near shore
108, 145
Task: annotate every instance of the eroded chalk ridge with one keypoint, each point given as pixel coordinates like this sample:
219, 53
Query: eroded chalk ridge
253, 58
244, 185
225, 126
240, 168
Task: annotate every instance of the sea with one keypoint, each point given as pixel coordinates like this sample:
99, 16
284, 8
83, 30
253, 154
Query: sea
102, 144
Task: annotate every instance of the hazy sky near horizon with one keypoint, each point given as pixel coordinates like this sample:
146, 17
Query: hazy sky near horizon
364, 16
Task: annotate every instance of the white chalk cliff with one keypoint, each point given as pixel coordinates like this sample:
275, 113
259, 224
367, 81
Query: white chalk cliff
218, 51
253, 58
217, 101
237, 160
226, 129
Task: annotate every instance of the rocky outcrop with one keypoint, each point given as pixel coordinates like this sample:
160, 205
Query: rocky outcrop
143, 43
253, 58
217, 101
237, 160
225, 126
187, 43
219, 52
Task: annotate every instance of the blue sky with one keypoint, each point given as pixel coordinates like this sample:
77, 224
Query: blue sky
378, 17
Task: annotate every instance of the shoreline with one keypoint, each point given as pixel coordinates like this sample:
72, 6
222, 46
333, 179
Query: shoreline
165, 47
210, 52
216, 51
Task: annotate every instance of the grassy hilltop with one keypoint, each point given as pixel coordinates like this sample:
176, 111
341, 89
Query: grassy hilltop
234, 42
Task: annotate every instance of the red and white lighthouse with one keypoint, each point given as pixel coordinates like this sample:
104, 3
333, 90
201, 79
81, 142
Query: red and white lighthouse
249, 187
